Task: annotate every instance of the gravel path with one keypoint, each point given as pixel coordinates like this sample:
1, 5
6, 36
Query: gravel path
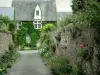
29, 63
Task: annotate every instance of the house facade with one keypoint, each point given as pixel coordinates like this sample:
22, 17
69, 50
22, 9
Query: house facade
36, 11
32, 15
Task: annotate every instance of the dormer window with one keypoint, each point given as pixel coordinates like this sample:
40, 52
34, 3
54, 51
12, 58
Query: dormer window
37, 13
37, 18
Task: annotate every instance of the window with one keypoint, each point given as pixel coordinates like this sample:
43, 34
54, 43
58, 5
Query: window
37, 24
35, 21
39, 21
37, 13
18, 25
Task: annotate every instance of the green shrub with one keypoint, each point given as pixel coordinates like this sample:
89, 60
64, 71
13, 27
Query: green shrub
12, 26
78, 5
4, 22
77, 70
60, 65
8, 59
44, 48
48, 27
15, 37
44, 33
85, 53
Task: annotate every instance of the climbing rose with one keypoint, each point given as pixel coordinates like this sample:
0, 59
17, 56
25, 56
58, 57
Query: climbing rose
81, 45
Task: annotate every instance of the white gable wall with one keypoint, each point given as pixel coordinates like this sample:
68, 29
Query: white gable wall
35, 14
37, 18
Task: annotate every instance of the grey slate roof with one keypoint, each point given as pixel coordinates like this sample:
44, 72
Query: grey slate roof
25, 9
63, 15
7, 11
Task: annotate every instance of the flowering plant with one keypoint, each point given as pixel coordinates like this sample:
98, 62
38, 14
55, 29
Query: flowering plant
85, 51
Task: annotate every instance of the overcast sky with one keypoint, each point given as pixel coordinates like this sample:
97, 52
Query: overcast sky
62, 5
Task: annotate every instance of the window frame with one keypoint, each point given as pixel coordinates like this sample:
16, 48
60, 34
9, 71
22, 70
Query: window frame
38, 23
37, 12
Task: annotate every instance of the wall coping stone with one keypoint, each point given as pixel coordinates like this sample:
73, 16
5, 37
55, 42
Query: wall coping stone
3, 31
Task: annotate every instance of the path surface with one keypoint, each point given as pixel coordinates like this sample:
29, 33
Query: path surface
29, 63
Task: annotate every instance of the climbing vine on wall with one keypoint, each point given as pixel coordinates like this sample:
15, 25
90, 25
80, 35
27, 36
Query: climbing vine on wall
28, 28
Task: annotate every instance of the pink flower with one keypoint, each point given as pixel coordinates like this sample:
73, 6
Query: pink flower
81, 45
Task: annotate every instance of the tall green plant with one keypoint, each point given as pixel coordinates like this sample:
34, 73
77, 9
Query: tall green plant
4, 22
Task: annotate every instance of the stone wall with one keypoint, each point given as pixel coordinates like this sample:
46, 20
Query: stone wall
5, 40
68, 46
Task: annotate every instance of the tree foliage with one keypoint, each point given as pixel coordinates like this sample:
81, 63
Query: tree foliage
77, 5
4, 22
48, 27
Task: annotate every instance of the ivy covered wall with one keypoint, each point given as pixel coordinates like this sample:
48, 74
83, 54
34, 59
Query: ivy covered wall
27, 27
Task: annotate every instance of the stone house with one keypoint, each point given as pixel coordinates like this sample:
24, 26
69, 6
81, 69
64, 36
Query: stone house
36, 11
